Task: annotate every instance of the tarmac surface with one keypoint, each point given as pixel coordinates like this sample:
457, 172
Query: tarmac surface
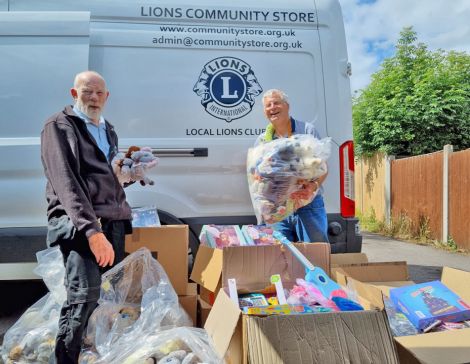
424, 262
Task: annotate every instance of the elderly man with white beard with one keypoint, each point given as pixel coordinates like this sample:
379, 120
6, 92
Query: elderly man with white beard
88, 215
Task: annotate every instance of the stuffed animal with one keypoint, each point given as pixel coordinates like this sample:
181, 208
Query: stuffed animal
133, 166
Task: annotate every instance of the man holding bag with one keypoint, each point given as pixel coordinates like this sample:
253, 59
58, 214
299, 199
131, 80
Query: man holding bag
308, 223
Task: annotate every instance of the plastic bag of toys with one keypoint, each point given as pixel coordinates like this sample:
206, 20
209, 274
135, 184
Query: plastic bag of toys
136, 299
181, 345
281, 175
32, 338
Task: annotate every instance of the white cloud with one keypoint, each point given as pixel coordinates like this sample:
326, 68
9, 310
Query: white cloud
439, 24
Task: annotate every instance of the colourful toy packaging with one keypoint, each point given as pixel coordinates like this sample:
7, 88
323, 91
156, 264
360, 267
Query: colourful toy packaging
425, 303
284, 310
252, 300
259, 235
221, 236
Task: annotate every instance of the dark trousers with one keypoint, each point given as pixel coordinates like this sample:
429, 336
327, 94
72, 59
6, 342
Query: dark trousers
82, 282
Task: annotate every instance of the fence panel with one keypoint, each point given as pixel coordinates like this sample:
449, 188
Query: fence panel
369, 185
459, 198
417, 191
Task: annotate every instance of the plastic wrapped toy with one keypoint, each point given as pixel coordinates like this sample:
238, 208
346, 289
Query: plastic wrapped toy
281, 175
259, 235
221, 236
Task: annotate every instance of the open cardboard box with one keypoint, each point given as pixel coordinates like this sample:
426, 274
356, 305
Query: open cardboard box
169, 245
339, 337
207, 269
435, 347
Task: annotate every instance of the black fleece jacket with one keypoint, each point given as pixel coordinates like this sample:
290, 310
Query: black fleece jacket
80, 181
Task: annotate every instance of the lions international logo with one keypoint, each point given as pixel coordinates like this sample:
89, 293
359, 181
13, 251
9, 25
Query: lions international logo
227, 87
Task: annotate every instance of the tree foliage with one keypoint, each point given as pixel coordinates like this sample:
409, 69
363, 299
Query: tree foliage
416, 103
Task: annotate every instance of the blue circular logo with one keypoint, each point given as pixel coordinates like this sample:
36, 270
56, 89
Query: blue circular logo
227, 87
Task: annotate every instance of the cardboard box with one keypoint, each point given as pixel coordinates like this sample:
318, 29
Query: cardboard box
189, 302
203, 310
340, 337
169, 245
207, 269
450, 347
383, 275
348, 258
207, 295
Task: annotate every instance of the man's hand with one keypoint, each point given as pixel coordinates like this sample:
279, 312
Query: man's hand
101, 249
306, 190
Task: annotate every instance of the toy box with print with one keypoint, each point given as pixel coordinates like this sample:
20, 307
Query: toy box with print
425, 303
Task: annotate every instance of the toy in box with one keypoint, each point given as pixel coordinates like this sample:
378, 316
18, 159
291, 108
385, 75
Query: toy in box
259, 235
425, 303
221, 236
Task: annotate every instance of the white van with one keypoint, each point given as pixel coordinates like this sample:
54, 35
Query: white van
185, 79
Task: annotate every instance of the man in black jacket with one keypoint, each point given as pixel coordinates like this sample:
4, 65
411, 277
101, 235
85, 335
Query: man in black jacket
88, 215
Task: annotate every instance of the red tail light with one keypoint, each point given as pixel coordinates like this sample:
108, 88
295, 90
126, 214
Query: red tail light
346, 166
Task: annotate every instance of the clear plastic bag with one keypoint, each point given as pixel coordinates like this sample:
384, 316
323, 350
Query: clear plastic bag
32, 338
185, 345
136, 300
281, 174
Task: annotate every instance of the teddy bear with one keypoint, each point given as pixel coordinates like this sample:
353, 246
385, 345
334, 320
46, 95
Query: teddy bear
133, 165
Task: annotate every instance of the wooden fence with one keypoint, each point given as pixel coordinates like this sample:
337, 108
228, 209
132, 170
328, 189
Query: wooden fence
417, 192
432, 190
459, 198
369, 179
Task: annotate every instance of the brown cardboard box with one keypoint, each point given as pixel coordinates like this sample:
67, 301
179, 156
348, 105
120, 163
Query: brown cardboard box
169, 245
340, 337
207, 295
348, 258
207, 269
189, 301
450, 347
203, 310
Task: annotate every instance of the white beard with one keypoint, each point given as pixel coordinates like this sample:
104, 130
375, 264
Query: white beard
92, 114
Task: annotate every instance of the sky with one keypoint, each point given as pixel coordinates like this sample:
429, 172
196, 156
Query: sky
373, 27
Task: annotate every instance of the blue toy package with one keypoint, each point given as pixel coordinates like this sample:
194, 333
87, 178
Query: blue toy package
425, 303
145, 217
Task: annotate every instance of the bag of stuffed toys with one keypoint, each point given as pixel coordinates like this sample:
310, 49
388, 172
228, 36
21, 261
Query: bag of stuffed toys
137, 305
134, 165
32, 338
281, 174
179, 345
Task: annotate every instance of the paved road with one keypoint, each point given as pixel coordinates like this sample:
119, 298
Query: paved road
425, 264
